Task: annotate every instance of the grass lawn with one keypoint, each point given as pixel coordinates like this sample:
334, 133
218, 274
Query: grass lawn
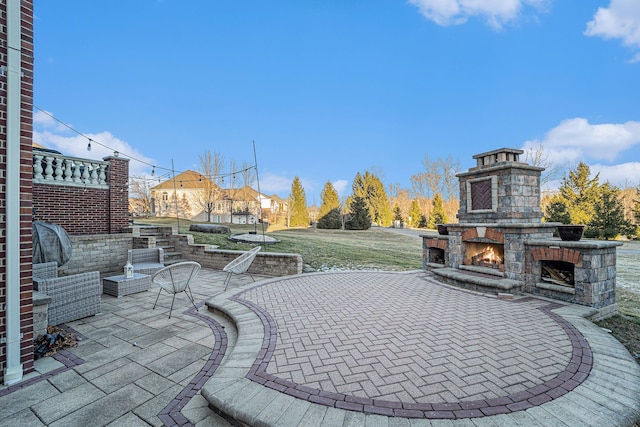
380, 249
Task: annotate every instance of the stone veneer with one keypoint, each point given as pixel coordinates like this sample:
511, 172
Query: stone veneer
500, 206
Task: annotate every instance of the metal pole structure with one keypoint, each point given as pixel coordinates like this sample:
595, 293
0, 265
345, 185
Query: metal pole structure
255, 161
175, 193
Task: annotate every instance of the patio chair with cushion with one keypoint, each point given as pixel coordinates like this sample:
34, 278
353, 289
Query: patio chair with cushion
240, 265
73, 297
174, 279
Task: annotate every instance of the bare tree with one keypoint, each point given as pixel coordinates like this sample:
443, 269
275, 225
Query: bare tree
209, 192
449, 168
536, 156
140, 196
438, 177
248, 179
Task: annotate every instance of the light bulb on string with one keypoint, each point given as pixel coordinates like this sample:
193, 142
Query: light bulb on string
153, 170
89, 145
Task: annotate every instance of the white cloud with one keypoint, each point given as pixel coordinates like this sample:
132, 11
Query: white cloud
454, 12
45, 119
620, 20
275, 184
622, 175
51, 134
577, 140
340, 186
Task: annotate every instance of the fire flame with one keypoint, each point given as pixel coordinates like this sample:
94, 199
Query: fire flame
490, 256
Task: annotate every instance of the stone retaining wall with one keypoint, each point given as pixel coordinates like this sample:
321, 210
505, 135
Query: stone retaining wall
107, 253
268, 263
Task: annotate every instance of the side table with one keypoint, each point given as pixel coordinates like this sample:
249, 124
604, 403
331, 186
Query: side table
119, 286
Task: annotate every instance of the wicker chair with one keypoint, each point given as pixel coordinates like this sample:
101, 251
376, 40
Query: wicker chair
146, 260
72, 297
240, 265
174, 279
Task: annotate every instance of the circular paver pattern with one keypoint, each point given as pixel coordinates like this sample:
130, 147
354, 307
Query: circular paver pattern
401, 344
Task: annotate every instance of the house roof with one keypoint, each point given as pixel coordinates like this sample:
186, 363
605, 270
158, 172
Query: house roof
186, 179
278, 199
244, 193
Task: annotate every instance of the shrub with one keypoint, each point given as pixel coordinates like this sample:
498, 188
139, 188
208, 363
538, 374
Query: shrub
332, 220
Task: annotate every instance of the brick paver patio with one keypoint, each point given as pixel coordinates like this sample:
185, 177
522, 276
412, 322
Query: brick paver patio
393, 341
378, 348
331, 349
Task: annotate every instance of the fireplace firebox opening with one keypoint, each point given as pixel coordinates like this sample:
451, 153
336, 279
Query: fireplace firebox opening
558, 272
482, 254
436, 255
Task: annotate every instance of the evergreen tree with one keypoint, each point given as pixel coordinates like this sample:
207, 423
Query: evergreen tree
579, 192
608, 220
370, 188
557, 211
414, 213
397, 215
437, 215
299, 212
360, 219
331, 220
330, 200
423, 223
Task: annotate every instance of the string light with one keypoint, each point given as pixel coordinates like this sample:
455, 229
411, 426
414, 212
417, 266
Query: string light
153, 167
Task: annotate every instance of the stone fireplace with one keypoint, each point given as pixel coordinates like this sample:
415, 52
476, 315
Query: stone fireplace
500, 243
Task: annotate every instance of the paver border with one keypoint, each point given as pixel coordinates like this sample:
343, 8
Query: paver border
232, 395
171, 414
576, 371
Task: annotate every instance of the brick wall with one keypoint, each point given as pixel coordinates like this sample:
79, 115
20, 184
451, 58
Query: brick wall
26, 160
86, 210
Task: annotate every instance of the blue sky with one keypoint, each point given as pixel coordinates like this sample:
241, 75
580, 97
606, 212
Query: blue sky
327, 88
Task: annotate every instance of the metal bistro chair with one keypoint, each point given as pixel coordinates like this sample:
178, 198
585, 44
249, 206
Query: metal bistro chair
240, 265
174, 279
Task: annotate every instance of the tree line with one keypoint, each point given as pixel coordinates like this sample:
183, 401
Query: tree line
602, 208
371, 203
606, 210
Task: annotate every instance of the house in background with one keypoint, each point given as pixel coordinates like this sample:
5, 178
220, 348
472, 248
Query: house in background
185, 195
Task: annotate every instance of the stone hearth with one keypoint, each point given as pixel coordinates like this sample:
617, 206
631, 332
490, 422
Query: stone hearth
501, 243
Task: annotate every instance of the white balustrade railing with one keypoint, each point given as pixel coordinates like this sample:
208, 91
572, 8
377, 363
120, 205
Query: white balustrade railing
58, 169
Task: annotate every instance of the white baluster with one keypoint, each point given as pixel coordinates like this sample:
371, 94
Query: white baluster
37, 166
76, 172
86, 174
48, 170
68, 170
58, 170
94, 174
103, 175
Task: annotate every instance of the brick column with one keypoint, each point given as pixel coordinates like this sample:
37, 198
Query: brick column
118, 180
